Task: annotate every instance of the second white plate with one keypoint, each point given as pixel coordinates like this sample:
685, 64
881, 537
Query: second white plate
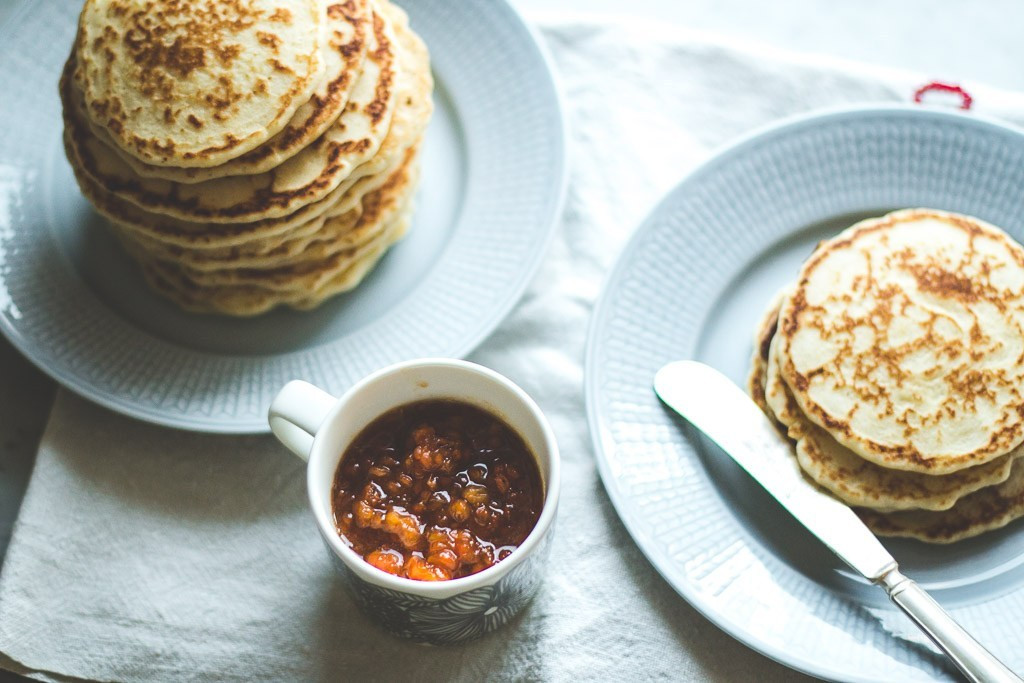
693, 283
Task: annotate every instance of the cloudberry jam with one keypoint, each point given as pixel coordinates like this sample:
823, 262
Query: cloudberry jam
436, 490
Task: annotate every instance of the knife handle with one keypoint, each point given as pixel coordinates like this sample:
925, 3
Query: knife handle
977, 663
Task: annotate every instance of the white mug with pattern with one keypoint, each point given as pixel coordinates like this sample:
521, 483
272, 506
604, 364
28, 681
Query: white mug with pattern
319, 427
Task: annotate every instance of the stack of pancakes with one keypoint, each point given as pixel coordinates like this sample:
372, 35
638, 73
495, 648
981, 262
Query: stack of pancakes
895, 365
248, 154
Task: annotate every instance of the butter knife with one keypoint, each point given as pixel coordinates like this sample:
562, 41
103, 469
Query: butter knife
724, 412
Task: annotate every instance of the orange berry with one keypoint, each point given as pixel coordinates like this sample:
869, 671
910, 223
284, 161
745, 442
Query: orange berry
446, 559
474, 494
420, 570
459, 510
388, 560
405, 526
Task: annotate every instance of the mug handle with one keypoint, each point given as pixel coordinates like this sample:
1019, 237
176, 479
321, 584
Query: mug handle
296, 414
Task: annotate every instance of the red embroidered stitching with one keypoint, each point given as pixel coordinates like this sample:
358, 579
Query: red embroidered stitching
965, 99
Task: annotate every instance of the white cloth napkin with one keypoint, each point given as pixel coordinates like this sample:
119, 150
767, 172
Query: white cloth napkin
144, 553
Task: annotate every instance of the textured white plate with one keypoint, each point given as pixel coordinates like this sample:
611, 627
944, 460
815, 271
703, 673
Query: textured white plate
692, 284
492, 186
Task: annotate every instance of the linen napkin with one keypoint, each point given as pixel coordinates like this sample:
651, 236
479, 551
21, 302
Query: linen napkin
145, 553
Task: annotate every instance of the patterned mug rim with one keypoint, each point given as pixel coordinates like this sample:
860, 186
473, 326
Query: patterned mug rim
438, 590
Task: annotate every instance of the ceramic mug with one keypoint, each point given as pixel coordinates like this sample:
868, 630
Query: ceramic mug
319, 427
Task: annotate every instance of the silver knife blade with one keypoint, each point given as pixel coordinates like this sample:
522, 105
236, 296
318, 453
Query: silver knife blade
724, 412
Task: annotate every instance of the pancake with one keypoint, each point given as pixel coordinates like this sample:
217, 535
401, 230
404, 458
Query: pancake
297, 199
406, 128
346, 280
311, 268
223, 236
416, 84
986, 510
904, 340
260, 252
310, 175
765, 332
347, 25
250, 300
187, 83
318, 258
859, 482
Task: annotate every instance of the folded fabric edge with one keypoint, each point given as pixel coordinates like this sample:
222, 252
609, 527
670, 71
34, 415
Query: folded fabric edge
15, 667
668, 32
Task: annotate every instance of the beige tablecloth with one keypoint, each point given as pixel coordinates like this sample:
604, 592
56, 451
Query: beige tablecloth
144, 553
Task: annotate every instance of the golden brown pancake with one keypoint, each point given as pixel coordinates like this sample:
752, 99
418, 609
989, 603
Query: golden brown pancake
763, 336
857, 481
247, 300
197, 83
320, 258
304, 213
904, 340
347, 24
310, 175
264, 251
986, 510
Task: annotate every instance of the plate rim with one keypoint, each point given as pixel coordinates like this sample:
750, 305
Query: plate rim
601, 439
66, 378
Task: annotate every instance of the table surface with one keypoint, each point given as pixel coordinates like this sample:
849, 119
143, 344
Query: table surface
952, 40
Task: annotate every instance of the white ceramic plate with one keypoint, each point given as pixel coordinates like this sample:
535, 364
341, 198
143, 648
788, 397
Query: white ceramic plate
692, 283
492, 186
